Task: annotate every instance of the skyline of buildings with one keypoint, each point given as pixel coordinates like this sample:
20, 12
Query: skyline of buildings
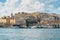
32, 19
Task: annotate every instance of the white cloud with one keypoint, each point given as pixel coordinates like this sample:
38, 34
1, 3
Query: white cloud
30, 6
25, 5
13, 6
8, 7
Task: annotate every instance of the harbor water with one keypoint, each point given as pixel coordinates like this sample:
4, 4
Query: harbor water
29, 34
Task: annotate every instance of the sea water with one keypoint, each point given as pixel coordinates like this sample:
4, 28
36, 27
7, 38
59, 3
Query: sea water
29, 34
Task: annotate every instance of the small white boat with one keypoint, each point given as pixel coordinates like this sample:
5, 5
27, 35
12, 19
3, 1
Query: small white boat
36, 27
33, 26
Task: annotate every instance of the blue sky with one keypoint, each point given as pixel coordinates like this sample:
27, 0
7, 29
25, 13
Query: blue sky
3, 1
13, 6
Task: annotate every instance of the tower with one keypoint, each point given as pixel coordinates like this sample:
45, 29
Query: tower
12, 16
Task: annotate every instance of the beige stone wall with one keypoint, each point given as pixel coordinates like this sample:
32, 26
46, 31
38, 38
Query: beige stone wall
12, 21
2, 20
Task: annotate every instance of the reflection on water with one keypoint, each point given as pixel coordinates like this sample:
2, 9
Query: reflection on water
29, 34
